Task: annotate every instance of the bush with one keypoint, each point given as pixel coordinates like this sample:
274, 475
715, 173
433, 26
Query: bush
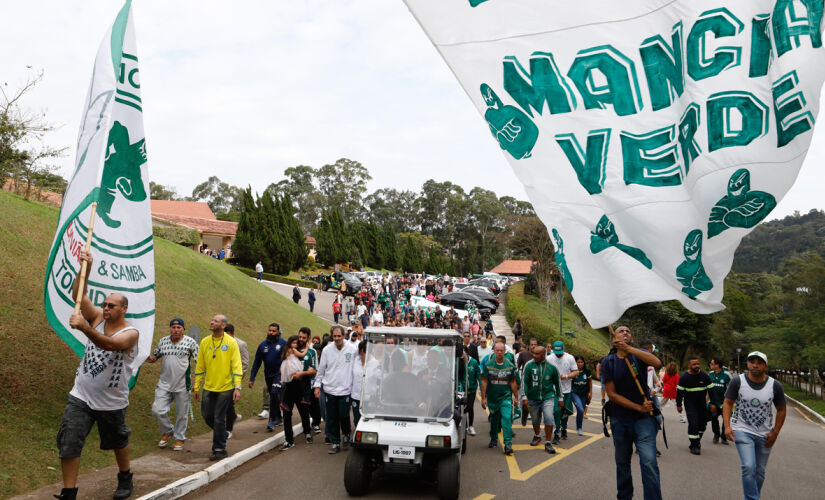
180, 235
279, 279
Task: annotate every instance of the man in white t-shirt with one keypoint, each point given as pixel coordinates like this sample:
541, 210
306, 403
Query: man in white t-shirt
174, 383
565, 363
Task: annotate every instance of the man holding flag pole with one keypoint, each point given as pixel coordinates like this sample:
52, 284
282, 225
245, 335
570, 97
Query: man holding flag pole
105, 311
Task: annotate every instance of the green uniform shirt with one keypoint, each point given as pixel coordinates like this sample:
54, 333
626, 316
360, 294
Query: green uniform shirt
310, 360
498, 377
719, 382
541, 381
473, 375
581, 385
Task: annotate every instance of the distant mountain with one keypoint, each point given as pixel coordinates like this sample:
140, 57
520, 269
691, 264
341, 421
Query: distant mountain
771, 243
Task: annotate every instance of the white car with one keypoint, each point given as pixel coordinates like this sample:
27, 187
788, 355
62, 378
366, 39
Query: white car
413, 413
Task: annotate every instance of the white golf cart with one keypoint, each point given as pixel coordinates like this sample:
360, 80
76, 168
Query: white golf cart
413, 418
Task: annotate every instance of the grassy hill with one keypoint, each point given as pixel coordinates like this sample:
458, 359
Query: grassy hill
37, 368
542, 322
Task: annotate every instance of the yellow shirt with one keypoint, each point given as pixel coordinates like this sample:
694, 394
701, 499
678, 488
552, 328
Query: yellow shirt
219, 364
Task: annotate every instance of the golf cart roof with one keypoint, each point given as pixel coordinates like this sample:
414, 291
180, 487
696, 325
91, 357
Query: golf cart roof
378, 331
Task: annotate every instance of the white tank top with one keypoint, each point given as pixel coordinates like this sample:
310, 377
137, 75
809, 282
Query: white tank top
753, 412
102, 379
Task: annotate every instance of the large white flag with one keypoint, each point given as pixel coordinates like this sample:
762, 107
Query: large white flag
110, 169
650, 135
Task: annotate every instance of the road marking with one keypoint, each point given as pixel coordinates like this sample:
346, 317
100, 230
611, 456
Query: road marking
485, 496
806, 417
516, 474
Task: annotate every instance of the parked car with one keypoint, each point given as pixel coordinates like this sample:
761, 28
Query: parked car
488, 283
460, 299
482, 293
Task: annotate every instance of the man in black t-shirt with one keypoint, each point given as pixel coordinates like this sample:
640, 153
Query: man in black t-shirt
631, 419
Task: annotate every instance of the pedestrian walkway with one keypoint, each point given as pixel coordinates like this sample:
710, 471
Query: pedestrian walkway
499, 320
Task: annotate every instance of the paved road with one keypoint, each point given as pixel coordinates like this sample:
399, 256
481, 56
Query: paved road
323, 304
583, 467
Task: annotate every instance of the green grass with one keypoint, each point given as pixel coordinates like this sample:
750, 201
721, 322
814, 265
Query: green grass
38, 369
542, 322
811, 401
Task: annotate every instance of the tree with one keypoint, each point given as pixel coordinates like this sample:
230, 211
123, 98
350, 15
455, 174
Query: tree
248, 246
531, 241
220, 196
411, 258
299, 185
343, 185
161, 192
331, 239
391, 207
23, 152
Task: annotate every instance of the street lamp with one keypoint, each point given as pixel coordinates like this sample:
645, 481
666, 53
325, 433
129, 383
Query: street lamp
738, 350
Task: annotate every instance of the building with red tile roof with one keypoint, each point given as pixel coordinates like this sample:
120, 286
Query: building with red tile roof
214, 234
513, 267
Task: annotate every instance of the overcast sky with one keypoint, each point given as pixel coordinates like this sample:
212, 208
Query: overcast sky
245, 89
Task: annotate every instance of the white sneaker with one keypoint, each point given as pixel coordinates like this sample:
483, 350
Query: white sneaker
471, 431
238, 417
228, 434
263, 414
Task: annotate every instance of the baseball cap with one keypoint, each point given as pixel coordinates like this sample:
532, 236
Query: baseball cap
558, 347
176, 321
760, 355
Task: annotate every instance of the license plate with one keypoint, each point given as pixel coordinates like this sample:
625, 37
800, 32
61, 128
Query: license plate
406, 452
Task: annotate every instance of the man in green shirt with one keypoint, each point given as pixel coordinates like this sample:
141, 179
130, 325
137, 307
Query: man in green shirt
542, 387
473, 376
719, 379
499, 386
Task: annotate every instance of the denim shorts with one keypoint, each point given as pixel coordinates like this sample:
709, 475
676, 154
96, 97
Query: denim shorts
546, 407
77, 422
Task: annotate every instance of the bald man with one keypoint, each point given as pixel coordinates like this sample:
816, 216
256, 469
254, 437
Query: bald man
101, 388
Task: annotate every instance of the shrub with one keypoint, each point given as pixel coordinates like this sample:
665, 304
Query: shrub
176, 234
279, 279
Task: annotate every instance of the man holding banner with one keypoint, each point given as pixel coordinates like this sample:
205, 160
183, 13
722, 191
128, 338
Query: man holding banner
101, 392
105, 206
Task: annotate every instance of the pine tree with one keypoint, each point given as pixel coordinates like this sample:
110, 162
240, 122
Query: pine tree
248, 247
392, 258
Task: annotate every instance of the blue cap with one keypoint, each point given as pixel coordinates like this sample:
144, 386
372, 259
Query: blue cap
177, 321
558, 347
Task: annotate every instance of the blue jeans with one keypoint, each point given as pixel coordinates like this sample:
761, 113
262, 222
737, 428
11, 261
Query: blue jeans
641, 431
754, 458
579, 403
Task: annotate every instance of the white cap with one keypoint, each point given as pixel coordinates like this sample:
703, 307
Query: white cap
760, 355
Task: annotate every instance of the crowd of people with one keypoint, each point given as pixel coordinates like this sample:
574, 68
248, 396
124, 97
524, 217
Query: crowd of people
321, 377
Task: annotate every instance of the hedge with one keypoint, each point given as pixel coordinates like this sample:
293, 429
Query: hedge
279, 279
180, 235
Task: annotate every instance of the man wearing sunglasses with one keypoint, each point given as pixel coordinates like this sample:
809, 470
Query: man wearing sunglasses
101, 388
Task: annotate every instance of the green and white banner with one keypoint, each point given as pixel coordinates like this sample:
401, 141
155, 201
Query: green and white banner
110, 169
650, 135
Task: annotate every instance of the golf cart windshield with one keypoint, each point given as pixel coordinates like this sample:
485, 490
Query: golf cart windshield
409, 373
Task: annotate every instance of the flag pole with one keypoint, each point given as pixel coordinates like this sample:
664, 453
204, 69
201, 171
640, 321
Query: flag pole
83, 265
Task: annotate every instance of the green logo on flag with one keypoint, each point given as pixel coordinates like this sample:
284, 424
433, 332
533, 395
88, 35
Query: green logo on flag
691, 272
121, 172
476, 3
562, 262
513, 129
741, 207
605, 237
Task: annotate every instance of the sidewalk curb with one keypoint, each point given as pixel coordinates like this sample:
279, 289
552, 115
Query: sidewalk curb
200, 479
807, 410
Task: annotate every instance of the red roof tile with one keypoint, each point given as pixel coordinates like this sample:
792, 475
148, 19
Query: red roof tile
213, 226
512, 266
183, 208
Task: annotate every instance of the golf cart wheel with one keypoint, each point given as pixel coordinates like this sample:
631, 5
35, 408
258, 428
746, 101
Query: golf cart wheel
357, 473
448, 477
